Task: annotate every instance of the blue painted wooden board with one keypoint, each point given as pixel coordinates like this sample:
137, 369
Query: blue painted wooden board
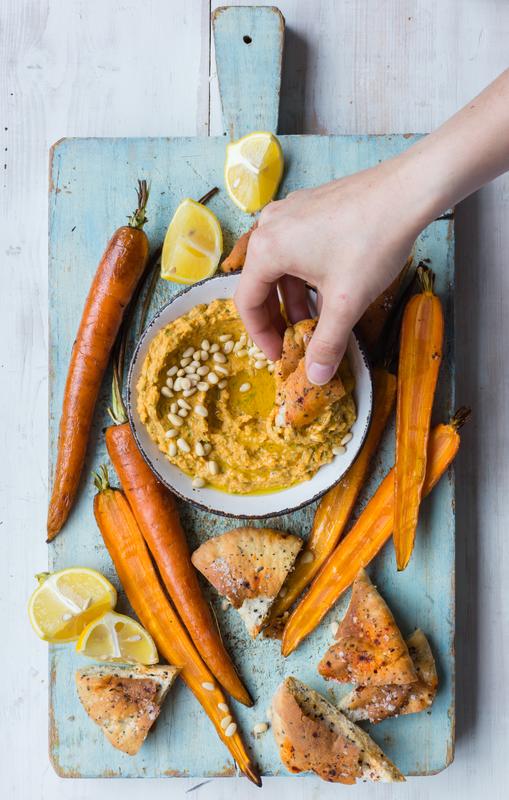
91, 192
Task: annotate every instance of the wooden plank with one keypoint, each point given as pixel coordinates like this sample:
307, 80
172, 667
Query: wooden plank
249, 52
81, 220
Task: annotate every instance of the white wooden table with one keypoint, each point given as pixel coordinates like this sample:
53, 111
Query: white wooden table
125, 67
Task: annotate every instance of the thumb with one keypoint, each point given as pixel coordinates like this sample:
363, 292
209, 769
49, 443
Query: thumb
328, 343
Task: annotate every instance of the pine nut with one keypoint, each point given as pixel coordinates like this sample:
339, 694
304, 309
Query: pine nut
204, 355
222, 384
226, 721
346, 438
202, 386
207, 447
260, 364
196, 355
213, 467
201, 410
185, 383
334, 628
183, 412
172, 449
184, 362
205, 345
189, 392
225, 337
222, 707
208, 686
190, 370
195, 363
197, 483
307, 557
338, 450
171, 433
220, 369
183, 445
228, 347
260, 728
219, 358
231, 729
204, 370
166, 392
199, 449
271, 367
212, 378
243, 338
245, 388
189, 352
172, 371
242, 353
174, 407
237, 346
169, 383
183, 404
177, 387
214, 348
175, 420
253, 350
283, 591
180, 373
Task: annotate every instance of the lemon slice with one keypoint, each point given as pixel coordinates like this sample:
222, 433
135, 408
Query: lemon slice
116, 637
193, 244
66, 601
253, 170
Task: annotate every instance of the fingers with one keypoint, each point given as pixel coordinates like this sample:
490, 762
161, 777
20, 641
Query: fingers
295, 298
256, 297
329, 341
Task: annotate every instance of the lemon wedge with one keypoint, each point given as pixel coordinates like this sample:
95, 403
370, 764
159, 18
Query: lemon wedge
193, 244
66, 601
116, 637
253, 170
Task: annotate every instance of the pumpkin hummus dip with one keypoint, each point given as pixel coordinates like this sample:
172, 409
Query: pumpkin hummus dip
207, 396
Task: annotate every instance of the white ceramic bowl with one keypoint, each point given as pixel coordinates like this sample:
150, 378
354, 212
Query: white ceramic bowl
235, 505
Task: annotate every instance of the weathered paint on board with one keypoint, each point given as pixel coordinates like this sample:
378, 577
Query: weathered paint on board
91, 192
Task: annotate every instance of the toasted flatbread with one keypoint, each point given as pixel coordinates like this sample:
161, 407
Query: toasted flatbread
376, 703
248, 566
237, 257
312, 734
124, 701
300, 401
369, 648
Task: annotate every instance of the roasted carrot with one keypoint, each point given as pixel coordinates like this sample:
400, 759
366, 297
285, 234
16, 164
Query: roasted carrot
337, 505
372, 323
367, 537
422, 334
237, 256
117, 275
157, 516
137, 575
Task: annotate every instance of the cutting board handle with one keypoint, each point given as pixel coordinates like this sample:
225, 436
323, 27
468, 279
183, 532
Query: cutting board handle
249, 53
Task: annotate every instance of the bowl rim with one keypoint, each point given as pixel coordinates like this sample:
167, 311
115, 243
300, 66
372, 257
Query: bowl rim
203, 506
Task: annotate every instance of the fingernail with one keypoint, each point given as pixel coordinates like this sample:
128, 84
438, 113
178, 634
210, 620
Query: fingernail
320, 373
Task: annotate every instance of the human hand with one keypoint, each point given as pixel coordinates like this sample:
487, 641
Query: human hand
348, 238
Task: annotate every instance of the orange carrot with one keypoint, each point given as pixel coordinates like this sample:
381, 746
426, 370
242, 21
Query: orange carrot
422, 334
372, 323
118, 273
337, 505
367, 537
237, 256
156, 513
136, 572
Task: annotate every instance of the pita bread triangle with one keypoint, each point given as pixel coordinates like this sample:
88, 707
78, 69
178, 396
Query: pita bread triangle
369, 648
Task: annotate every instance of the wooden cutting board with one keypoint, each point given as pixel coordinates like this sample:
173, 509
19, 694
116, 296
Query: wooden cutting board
91, 192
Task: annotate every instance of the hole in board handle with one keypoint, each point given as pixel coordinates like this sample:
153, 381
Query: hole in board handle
247, 39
